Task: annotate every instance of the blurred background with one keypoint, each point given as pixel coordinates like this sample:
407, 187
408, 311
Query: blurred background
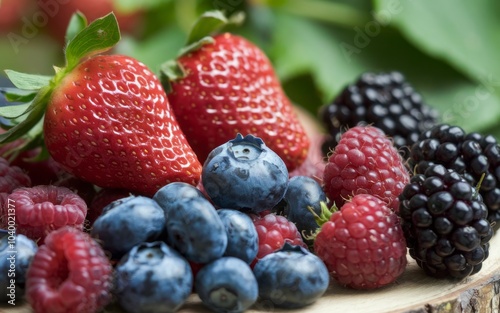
447, 49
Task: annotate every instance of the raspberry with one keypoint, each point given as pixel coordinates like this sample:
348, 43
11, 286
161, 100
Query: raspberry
11, 177
365, 162
384, 100
69, 273
40, 172
472, 155
42, 209
445, 225
273, 231
363, 245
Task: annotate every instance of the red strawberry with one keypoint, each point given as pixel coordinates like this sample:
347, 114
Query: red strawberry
365, 161
109, 122
362, 245
107, 119
11, 13
229, 86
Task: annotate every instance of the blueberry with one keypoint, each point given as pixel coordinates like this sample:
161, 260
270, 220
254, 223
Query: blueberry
176, 191
303, 192
195, 229
127, 222
227, 285
243, 240
291, 277
16, 253
152, 277
244, 174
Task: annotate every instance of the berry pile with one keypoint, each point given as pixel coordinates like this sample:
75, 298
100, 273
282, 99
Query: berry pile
151, 200
384, 100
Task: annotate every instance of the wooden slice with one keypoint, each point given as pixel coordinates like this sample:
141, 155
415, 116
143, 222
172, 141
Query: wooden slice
414, 292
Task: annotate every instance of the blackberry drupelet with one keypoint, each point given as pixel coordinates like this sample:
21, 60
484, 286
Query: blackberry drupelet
384, 100
472, 155
445, 223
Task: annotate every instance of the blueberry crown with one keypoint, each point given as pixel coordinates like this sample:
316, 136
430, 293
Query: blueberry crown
248, 139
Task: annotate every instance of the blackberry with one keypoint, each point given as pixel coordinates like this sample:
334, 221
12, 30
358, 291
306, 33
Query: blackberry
445, 223
472, 155
384, 100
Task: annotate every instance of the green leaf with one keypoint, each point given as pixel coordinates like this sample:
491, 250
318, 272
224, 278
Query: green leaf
17, 95
36, 112
27, 81
101, 35
211, 22
301, 46
464, 33
334, 12
134, 5
77, 23
154, 50
14, 111
170, 71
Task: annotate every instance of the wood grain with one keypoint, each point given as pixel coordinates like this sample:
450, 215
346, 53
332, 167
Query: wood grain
414, 292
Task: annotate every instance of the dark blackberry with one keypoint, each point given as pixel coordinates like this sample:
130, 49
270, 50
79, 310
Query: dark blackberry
472, 155
384, 100
445, 223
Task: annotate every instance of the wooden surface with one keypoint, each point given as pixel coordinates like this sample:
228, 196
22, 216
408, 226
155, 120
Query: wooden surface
414, 292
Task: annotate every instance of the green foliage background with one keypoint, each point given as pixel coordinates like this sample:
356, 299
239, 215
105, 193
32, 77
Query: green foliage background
447, 49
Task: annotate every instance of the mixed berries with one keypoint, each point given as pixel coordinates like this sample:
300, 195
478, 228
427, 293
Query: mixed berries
203, 181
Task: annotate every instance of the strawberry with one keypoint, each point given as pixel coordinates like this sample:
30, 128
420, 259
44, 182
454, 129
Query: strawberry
106, 118
11, 13
230, 86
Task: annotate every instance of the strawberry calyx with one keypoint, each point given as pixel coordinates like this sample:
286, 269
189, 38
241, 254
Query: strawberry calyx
32, 93
208, 24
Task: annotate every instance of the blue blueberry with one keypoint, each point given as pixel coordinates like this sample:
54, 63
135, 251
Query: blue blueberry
176, 191
291, 277
243, 240
127, 222
244, 174
152, 277
303, 192
195, 229
16, 253
227, 285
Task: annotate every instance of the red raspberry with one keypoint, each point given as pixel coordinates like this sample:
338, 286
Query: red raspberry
69, 273
274, 230
12, 177
43, 172
363, 245
365, 162
41, 209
